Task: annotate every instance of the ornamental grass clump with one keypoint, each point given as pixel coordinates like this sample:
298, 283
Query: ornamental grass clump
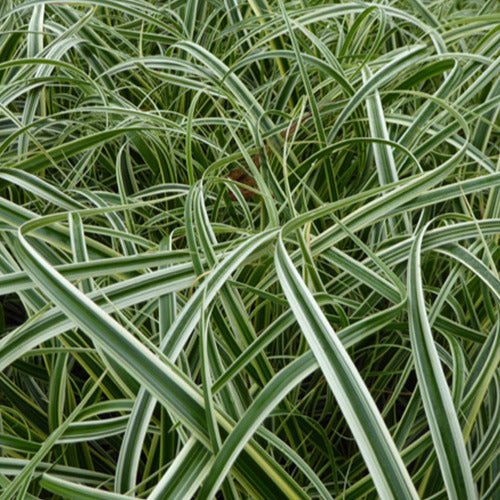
249, 250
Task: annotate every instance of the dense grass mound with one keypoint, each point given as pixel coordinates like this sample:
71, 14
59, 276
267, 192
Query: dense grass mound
249, 249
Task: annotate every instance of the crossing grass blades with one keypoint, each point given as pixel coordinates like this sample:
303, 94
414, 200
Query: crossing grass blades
249, 250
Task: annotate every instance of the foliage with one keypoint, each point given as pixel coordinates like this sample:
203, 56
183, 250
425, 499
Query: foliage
249, 249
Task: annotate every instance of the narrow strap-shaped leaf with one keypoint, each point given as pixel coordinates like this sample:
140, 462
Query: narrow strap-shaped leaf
477, 266
438, 404
185, 474
369, 430
74, 491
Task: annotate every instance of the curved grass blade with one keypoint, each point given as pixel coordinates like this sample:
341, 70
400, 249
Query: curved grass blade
436, 397
370, 432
